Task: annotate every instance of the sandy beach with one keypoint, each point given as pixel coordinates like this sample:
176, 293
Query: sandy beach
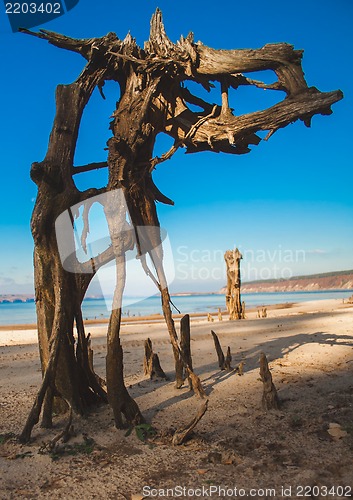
308, 442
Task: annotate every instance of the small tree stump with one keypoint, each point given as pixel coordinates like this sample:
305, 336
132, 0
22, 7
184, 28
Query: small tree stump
221, 359
270, 399
240, 368
228, 361
183, 433
99, 379
151, 364
185, 345
90, 352
243, 310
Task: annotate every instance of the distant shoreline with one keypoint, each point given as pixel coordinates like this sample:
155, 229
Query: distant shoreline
12, 335
247, 289
17, 316
152, 318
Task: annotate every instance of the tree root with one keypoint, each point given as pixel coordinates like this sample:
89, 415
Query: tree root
181, 435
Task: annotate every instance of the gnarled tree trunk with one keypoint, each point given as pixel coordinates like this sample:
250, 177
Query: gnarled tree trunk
153, 99
233, 300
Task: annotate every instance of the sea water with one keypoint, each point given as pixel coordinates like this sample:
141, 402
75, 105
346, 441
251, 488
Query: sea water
24, 313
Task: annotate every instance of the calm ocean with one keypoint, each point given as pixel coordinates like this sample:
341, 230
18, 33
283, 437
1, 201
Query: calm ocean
24, 313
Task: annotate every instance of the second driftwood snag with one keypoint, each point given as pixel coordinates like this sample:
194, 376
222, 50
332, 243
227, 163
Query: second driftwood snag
270, 399
233, 301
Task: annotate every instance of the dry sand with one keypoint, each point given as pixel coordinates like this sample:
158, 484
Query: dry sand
236, 444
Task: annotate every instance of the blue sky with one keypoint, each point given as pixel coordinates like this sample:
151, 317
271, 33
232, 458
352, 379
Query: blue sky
288, 204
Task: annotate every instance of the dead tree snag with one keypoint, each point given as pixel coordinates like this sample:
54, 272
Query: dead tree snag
153, 99
233, 302
185, 345
270, 399
219, 351
151, 364
228, 360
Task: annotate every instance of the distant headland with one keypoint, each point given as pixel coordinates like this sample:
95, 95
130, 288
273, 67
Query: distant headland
16, 298
336, 280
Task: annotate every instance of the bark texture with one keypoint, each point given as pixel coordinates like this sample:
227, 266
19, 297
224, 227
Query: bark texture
153, 98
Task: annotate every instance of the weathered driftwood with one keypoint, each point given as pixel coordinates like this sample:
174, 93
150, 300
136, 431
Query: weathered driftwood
151, 363
34, 414
185, 345
243, 310
270, 399
223, 362
181, 435
233, 301
219, 351
228, 361
240, 368
100, 380
153, 99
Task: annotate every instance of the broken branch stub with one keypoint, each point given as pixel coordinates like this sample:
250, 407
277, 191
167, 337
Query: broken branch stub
151, 363
181, 435
270, 400
228, 361
185, 345
219, 351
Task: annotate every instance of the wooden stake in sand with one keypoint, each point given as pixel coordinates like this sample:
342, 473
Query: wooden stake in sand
185, 345
223, 362
221, 359
270, 399
228, 360
151, 364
